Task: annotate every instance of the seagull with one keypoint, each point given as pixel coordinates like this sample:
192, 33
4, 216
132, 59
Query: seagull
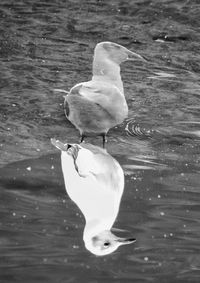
95, 106
94, 180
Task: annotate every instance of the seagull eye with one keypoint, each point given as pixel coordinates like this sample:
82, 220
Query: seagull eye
106, 244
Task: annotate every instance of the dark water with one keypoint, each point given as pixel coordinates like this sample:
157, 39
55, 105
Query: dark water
49, 44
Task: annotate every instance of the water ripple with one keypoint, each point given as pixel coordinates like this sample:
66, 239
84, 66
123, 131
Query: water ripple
133, 129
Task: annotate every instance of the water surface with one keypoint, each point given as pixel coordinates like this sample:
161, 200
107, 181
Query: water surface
49, 44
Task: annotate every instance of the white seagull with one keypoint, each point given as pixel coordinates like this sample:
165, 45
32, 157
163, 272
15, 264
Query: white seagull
95, 106
94, 180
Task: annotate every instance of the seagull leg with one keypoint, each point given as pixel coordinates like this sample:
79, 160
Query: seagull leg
104, 139
82, 138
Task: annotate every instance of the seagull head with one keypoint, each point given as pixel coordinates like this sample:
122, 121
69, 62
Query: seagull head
106, 243
116, 53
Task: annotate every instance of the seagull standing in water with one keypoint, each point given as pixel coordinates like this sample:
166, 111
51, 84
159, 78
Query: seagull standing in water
98, 105
94, 180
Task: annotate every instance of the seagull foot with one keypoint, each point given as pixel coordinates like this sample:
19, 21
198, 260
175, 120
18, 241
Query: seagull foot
104, 139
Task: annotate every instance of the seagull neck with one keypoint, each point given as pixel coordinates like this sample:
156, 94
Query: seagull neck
107, 70
95, 226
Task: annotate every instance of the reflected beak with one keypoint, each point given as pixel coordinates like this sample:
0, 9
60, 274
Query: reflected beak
132, 56
70, 149
61, 90
126, 241
60, 145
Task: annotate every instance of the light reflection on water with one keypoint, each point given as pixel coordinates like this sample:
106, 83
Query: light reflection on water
43, 229
42, 48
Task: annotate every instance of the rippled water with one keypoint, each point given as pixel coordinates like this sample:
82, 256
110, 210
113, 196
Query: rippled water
49, 44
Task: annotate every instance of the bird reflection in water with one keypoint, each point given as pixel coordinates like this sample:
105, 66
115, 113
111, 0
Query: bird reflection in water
94, 180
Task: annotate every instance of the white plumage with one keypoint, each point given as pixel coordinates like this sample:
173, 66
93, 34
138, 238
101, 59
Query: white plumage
94, 180
98, 105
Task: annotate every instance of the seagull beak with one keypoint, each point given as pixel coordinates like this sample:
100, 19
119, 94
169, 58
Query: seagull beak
132, 56
126, 241
60, 145
71, 149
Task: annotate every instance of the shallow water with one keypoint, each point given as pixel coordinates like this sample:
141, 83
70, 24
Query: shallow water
49, 44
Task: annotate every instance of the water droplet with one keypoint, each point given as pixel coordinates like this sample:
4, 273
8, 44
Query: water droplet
28, 168
75, 247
